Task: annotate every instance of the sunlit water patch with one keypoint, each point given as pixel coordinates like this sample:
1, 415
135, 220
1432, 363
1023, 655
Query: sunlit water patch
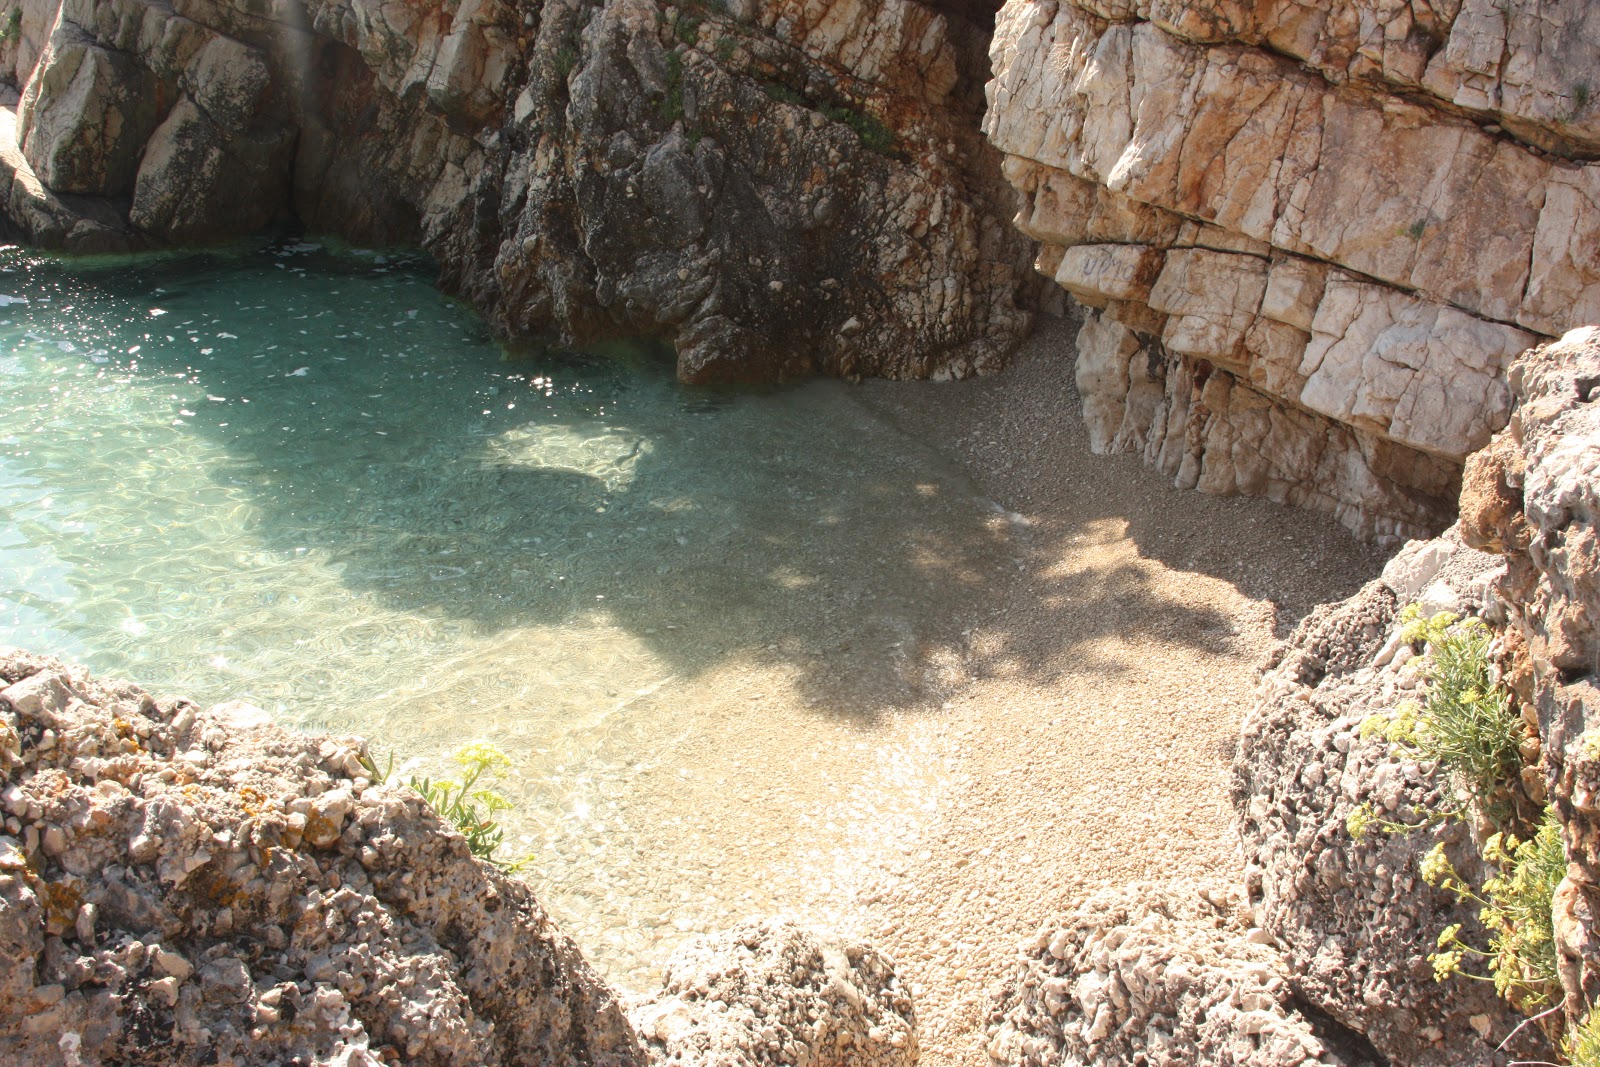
709, 627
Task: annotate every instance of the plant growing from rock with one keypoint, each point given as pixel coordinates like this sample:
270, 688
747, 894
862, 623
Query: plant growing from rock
466, 803
1515, 908
1467, 722
1583, 1044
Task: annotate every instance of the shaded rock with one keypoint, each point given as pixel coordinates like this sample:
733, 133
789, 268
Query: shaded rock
785, 189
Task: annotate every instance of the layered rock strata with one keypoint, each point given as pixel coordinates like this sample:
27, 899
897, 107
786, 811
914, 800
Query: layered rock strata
182, 886
1313, 239
777, 188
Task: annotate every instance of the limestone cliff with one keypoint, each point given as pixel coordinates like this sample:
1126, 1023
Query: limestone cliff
776, 187
1314, 235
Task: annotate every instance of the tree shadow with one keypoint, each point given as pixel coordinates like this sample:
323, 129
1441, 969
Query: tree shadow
369, 423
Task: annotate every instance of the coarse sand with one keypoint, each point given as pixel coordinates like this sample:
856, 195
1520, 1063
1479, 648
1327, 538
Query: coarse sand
1092, 744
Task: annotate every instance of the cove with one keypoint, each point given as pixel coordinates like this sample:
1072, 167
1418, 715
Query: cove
710, 627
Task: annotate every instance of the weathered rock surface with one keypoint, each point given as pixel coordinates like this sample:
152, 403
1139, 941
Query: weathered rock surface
1314, 238
1534, 496
1320, 956
772, 992
1169, 976
778, 188
180, 886
1354, 917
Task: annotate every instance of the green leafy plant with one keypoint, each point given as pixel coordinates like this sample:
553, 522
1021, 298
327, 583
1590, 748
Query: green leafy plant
874, 135
566, 60
1365, 818
671, 104
1514, 907
467, 803
12, 26
1467, 722
1583, 1044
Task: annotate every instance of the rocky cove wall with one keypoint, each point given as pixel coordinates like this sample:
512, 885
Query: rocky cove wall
1314, 235
1311, 239
777, 188
1319, 953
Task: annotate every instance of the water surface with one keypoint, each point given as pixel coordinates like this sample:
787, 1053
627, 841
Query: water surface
707, 625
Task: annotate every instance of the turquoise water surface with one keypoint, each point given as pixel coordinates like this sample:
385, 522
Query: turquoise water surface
302, 477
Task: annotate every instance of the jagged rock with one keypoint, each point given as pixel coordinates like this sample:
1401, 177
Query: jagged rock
1325, 226
778, 188
770, 991
1354, 917
1168, 977
1532, 496
181, 886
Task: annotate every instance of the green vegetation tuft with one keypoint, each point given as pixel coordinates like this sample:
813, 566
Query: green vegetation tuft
671, 105
686, 28
782, 93
12, 26
1583, 1044
1467, 722
467, 803
566, 60
874, 135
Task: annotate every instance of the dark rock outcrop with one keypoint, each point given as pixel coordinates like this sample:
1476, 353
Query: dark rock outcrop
778, 188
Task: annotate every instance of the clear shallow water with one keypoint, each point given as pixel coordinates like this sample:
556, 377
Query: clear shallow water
708, 626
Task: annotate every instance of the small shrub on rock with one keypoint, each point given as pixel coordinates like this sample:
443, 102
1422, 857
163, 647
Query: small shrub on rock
1467, 723
466, 804
1521, 957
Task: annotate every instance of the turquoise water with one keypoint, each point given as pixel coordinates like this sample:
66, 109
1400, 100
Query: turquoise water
300, 476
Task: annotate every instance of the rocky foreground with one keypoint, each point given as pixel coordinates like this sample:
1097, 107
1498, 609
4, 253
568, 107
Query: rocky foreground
188, 886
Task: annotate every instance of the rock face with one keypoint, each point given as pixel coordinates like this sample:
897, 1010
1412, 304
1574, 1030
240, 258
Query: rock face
1320, 956
181, 887
776, 187
1354, 917
1165, 977
1315, 238
1532, 496
770, 992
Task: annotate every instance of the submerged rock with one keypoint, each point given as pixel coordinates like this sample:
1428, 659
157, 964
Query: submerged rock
182, 886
